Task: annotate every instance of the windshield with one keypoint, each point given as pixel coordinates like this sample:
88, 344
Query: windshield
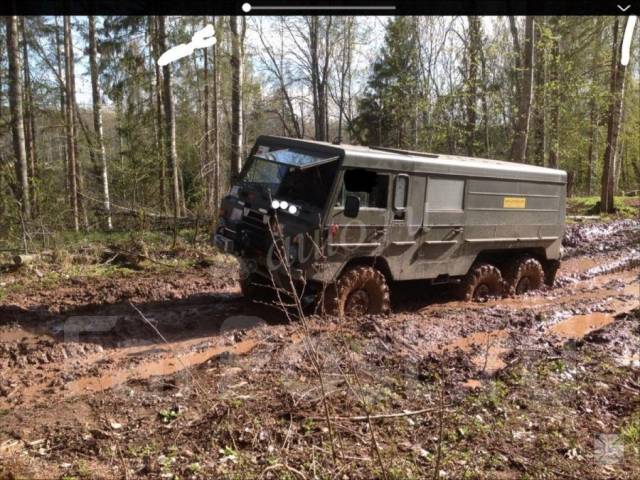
290, 156
277, 171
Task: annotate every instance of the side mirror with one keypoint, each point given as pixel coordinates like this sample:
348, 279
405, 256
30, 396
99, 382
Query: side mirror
351, 206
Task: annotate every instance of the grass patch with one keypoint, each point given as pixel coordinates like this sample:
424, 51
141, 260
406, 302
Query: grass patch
626, 207
630, 433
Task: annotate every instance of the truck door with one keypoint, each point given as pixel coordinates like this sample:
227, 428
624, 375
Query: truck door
365, 235
443, 224
405, 229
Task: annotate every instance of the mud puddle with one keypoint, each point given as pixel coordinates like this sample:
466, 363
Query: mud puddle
580, 325
162, 367
575, 326
488, 349
113, 370
17, 334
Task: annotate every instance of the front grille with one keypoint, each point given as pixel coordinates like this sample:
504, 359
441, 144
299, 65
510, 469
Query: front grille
252, 232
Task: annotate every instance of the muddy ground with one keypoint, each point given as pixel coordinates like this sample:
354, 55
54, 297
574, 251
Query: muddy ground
198, 383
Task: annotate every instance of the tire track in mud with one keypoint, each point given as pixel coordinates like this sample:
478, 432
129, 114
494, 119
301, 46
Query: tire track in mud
50, 362
37, 363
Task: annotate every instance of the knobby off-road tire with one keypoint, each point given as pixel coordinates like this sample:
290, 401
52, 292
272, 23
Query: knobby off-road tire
483, 281
360, 290
523, 274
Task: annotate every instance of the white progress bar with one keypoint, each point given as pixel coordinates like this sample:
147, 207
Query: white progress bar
247, 7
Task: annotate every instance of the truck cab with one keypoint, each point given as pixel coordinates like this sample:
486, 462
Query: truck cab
338, 223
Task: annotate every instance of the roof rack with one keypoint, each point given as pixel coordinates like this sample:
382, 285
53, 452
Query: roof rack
405, 152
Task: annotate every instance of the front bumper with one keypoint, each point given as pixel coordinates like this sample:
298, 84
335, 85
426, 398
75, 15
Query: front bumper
223, 243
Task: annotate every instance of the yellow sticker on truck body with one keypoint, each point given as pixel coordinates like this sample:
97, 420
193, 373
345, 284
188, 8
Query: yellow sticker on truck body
514, 202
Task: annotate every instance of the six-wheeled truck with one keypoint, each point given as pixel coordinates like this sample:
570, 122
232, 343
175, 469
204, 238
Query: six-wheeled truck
353, 219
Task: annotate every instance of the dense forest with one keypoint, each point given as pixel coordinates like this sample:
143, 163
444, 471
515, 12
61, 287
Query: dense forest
93, 132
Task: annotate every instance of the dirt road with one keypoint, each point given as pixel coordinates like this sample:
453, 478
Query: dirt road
199, 383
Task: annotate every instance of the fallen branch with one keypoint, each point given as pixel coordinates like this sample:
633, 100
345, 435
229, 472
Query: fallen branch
20, 260
364, 418
143, 256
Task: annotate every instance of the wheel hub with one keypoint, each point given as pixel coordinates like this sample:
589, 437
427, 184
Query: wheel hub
524, 285
357, 303
481, 292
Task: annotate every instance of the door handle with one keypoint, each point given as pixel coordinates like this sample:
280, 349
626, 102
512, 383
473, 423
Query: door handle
458, 229
378, 231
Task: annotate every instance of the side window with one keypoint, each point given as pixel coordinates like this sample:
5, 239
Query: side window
444, 194
370, 187
400, 193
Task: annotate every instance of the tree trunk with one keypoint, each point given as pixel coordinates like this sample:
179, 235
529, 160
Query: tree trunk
97, 120
539, 127
519, 146
207, 163
216, 133
513, 28
485, 105
77, 121
17, 116
555, 94
162, 170
594, 114
170, 123
593, 145
70, 125
29, 121
318, 75
473, 61
616, 101
237, 64
61, 96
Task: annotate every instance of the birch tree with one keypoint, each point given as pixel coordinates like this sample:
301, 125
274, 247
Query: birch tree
17, 116
169, 122
616, 101
97, 121
72, 170
29, 117
237, 76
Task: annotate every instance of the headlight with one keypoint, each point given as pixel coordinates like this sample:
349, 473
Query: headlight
286, 206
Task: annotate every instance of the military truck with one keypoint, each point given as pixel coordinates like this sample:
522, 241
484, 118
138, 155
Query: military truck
354, 219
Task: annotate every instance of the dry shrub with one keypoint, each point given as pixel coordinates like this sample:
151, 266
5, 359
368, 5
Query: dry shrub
61, 258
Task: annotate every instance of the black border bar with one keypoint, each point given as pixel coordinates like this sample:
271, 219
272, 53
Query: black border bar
306, 7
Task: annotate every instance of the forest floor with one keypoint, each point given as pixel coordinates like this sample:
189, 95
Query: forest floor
207, 385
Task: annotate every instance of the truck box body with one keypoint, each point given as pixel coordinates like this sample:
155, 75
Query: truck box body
421, 216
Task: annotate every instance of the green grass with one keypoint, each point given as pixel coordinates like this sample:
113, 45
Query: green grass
631, 433
73, 241
85, 254
627, 207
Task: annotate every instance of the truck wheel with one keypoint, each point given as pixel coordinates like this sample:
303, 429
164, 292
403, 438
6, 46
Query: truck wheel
483, 281
253, 287
550, 269
523, 275
359, 291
